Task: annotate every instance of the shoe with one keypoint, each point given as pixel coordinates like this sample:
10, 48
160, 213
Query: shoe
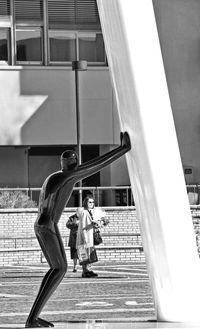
86, 274
93, 273
89, 274
74, 270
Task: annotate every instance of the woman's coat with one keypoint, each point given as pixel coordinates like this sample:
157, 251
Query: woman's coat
85, 232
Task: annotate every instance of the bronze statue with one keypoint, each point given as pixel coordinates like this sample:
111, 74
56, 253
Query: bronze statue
55, 194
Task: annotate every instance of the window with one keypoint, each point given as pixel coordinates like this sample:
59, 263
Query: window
50, 32
75, 32
70, 46
5, 24
62, 46
4, 46
91, 47
29, 46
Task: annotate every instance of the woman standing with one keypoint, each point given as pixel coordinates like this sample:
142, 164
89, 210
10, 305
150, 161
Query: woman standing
85, 235
72, 225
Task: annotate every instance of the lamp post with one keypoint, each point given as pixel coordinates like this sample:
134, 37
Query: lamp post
76, 67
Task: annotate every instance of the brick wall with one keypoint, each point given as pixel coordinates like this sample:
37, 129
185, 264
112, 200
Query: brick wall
18, 245
121, 238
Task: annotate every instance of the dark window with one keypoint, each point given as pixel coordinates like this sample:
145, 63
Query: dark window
46, 32
4, 45
48, 150
62, 46
91, 47
29, 45
90, 152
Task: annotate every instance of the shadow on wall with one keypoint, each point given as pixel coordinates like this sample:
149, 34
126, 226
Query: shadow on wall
54, 122
16, 108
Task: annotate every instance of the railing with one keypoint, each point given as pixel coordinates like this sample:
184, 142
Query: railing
193, 187
121, 195
193, 191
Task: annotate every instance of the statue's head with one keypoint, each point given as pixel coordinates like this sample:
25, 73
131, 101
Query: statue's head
69, 160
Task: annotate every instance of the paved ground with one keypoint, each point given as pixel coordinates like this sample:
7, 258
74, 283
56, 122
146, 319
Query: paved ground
120, 291
120, 298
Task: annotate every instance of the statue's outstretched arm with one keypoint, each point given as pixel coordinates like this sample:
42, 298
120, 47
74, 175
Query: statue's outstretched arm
96, 164
91, 167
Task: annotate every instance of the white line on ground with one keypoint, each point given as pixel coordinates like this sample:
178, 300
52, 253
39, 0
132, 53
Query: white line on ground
12, 296
122, 273
73, 281
101, 297
117, 310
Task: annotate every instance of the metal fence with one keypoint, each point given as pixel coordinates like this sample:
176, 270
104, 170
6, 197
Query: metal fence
106, 195
193, 191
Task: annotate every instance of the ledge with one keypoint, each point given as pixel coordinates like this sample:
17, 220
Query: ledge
196, 206
70, 209
73, 209
19, 210
67, 248
6, 67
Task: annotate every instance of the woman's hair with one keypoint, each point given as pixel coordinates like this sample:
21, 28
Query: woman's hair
85, 201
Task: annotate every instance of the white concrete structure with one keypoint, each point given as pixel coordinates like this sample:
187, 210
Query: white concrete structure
138, 76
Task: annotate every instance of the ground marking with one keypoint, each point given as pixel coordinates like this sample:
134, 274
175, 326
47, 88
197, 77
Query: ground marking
94, 304
121, 268
69, 282
12, 296
132, 302
118, 310
123, 273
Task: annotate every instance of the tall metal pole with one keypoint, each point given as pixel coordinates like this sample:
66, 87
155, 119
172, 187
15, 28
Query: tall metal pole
76, 67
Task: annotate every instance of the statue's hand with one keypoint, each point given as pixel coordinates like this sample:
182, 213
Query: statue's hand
121, 137
125, 140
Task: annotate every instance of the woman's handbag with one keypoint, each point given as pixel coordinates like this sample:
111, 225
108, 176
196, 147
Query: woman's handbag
92, 255
96, 232
87, 255
97, 237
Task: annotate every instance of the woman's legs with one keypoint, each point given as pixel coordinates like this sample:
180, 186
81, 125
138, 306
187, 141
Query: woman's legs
75, 264
85, 268
87, 273
74, 257
52, 247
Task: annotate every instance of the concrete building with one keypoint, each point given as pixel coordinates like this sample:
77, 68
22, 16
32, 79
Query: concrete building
39, 39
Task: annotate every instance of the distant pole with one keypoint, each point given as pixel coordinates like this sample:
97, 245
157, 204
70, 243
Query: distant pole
76, 67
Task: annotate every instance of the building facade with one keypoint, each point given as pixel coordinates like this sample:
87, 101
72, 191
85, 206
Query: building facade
39, 40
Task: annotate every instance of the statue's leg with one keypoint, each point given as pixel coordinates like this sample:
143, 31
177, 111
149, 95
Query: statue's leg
53, 249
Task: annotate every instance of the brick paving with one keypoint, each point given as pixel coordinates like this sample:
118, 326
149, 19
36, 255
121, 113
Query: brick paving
120, 293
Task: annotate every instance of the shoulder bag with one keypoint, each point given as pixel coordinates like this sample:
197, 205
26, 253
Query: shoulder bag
97, 234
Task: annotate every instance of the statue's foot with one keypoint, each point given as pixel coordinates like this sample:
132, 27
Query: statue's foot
45, 323
33, 324
38, 323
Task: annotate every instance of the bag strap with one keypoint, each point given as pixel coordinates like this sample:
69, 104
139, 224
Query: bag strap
90, 214
95, 226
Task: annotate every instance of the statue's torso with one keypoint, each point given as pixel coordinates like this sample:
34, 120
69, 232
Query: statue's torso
52, 200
